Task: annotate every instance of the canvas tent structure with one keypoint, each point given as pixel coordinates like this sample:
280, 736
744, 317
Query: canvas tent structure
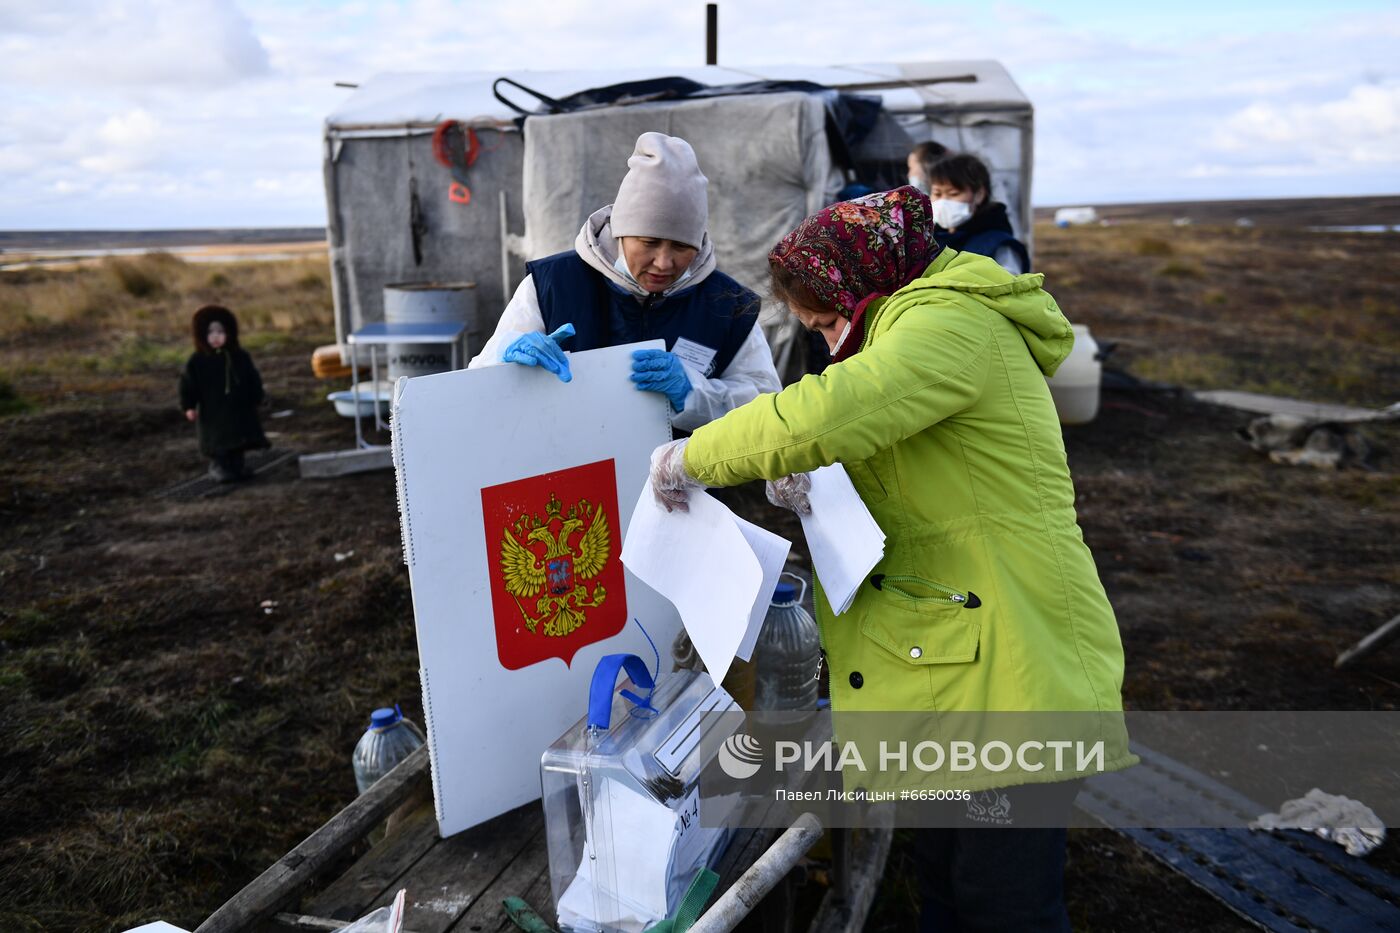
394, 215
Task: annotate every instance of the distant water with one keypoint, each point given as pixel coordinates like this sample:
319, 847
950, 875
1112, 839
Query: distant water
37, 241
199, 254
1358, 228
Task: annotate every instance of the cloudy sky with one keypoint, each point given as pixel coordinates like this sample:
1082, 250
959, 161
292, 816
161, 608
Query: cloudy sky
196, 113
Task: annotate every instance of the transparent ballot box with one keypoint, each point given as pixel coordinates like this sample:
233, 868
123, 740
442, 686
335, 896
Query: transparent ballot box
622, 799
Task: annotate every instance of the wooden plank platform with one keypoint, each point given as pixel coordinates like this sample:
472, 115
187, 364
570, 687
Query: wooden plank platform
299, 868
1278, 405
456, 873
345, 462
370, 877
261, 462
1286, 881
848, 903
457, 885
526, 877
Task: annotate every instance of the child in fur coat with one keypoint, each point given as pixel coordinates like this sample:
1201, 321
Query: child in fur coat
220, 389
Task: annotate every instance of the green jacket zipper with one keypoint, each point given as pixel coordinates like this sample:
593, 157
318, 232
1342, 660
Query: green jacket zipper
881, 581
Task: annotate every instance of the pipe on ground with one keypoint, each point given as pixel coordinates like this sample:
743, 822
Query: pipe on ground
763, 875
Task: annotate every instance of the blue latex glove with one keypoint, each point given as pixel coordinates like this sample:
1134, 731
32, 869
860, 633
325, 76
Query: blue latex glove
660, 371
537, 349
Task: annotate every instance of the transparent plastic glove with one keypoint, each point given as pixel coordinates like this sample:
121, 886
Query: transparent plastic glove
537, 349
670, 483
660, 371
790, 492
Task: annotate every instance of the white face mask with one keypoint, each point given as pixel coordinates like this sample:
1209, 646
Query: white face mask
620, 264
840, 340
949, 214
916, 181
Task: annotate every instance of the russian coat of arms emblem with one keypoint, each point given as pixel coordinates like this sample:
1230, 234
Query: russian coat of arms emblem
556, 579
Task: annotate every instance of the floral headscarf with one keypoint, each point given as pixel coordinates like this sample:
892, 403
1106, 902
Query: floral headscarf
855, 251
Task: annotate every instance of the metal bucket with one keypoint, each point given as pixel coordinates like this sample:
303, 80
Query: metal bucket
426, 303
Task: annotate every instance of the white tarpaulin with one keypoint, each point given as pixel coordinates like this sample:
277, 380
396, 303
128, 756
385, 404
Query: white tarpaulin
390, 217
397, 98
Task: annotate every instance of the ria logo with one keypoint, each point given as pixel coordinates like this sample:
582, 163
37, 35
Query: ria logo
741, 756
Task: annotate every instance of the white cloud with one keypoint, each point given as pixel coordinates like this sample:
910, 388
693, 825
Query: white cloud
125, 143
18, 160
1206, 170
209, 111
1362, 127
95, 43
291, 184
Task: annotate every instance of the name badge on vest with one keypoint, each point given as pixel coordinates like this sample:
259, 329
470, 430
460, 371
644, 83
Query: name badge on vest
696, 354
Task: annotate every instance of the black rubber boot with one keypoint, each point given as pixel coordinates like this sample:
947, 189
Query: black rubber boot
240, 469
222, 468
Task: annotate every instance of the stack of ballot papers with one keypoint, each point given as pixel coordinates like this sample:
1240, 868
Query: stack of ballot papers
652, 854
842, 535
720, 570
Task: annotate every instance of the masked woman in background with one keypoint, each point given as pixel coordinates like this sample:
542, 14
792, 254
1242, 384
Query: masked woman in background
642, 268
968, 220
922, 158
987, 598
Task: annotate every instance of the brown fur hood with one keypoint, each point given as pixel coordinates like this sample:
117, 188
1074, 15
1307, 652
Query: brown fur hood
199, 325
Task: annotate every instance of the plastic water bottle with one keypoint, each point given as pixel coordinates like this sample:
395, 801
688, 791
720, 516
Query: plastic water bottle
788, 653
389, 740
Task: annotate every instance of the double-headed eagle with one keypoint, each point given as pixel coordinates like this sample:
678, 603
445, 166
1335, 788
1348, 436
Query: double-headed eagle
555, 579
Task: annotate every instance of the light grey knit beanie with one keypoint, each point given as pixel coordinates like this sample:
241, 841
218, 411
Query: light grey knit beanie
663, 195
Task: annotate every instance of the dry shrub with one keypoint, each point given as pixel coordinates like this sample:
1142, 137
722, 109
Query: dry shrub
1369, 490
53, 299
284, 321
1180, 270
139, 278
154, 295
1190, 369
26, 276
141, 354
253, 316
57, 671
10, 401
1151, 246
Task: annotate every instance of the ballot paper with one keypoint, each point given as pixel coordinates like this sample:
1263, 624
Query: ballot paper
772, 553
842, 536
652, 852
717, 569
581, 908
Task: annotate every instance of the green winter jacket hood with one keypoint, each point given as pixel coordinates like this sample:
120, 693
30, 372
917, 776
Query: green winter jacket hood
1020, 299
987, 598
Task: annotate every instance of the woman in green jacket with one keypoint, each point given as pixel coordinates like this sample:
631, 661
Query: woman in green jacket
987, 598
